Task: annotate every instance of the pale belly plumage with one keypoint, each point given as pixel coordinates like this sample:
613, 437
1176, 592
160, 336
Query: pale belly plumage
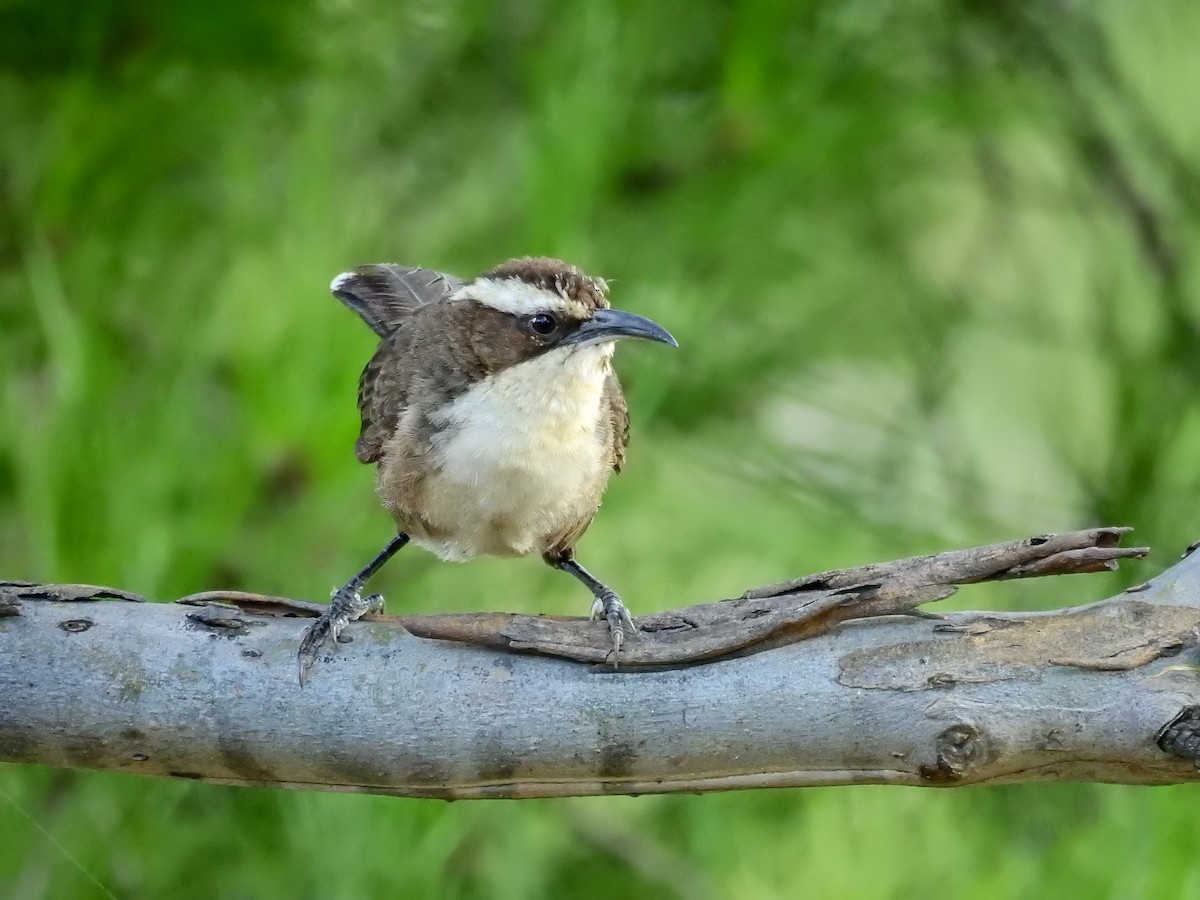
519, 460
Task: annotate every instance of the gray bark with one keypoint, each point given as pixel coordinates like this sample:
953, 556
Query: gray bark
207, 688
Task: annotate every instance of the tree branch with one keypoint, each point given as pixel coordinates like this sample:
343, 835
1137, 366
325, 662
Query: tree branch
775, 688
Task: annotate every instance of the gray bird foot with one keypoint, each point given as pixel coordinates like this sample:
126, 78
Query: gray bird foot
346, 605
608, 606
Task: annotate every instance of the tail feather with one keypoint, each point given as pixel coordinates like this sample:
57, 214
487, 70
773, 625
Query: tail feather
383, 295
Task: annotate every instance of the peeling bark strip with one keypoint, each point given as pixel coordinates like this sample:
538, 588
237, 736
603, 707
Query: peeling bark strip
761, 618
205, 688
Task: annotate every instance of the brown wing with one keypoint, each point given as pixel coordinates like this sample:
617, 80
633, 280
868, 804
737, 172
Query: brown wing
384, 296
382, 395
619, 417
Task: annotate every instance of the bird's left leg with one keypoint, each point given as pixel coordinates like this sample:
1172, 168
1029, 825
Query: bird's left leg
606, 603
346, 605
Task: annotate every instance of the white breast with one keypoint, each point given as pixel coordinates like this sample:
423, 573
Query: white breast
516, 454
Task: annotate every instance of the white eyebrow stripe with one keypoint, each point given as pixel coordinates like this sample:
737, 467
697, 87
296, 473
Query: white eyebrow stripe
519, 298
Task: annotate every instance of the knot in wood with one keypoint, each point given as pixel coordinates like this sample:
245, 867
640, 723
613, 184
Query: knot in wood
219, 620
958, 749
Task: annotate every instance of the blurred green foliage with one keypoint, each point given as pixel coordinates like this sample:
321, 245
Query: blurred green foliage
932, 267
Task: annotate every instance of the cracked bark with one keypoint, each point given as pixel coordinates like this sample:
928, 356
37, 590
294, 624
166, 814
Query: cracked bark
835, 678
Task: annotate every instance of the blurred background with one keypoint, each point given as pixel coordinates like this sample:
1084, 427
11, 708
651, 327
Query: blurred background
932, 266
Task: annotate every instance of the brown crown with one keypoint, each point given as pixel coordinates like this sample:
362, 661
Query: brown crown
555, 276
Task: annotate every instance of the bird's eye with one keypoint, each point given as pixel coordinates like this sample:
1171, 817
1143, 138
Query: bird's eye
543, 323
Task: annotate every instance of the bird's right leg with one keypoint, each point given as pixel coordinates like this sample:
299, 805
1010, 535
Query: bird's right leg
606, 603
346, 605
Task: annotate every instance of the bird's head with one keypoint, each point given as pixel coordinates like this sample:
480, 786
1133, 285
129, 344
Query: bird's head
541, 304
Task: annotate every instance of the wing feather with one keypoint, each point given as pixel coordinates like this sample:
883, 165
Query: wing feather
382, 397
619, 418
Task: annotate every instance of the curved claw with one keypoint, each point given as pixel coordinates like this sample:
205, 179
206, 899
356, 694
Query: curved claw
346, 605
620, 622
597, 609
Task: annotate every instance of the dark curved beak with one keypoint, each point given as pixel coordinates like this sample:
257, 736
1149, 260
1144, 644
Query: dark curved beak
614, 324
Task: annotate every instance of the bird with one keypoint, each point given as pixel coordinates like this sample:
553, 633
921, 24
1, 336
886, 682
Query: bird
493, 416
